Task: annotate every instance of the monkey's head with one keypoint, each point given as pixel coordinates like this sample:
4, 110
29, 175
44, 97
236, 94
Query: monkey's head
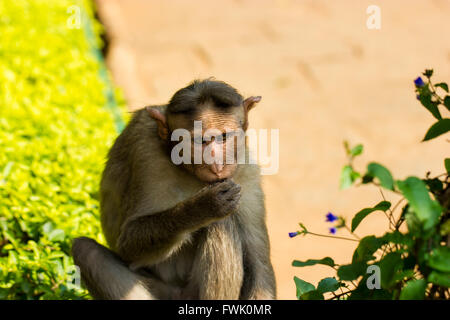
210, 117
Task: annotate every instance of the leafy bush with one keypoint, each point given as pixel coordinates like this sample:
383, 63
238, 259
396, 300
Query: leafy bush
54, 135
414, 264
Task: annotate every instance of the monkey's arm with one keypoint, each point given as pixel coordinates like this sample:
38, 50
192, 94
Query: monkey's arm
155, 236
259, 278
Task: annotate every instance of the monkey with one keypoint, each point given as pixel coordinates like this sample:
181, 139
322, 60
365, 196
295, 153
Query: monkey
181, 231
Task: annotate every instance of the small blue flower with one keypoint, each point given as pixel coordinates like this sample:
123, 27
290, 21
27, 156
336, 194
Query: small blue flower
293, 234
418, 97
419, 82
331, 217
333, 230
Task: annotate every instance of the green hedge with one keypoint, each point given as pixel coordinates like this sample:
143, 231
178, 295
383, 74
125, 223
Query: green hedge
54, 135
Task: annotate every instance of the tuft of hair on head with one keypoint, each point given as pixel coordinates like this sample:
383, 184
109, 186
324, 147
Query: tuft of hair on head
222, 95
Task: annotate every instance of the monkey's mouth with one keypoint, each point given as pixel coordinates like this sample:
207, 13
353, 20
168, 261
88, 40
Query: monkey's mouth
213, 177
210, 174
216, 178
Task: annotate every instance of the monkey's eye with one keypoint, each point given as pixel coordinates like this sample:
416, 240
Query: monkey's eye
220, 139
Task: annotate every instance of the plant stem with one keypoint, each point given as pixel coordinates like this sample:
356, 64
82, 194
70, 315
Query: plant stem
334, 237
389, 216
353, 234
340, 295
397, 204
379, 185
433, 91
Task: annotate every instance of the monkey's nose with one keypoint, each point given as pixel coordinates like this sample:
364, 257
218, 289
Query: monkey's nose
217, 168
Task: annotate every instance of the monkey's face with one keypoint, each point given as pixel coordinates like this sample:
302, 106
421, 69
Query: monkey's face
215, 140
212, 131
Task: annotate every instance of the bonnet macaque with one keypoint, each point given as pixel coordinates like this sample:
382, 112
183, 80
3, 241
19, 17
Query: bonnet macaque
184, 230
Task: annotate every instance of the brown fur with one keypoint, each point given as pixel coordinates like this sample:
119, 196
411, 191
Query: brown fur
173, 235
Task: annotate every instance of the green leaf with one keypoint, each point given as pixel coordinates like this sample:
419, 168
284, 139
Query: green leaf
347, 147
404, 274
366, 248
302, 287
437, 129
3, 293
430, 105
439, 278
348, 176
362, 292
414, 290
428, 73
328, 285
7, 169
442, 85
312, 295
414, 224
445, 228
382, 206
47, 228
447, 102
25, 286
416, 192
352, 271
357, 150
435, 185
56, 235
384, 176
447, 165
325, 261
389, 266
440, 259
398, 238
367, 178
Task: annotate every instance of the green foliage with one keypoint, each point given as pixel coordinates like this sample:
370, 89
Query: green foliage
348, 177
440, 127
383, 206
413, 264
414, 290
447, 164
54, 135
328, 285
431, 100
376, 170
325, 261
303, 287
427, 211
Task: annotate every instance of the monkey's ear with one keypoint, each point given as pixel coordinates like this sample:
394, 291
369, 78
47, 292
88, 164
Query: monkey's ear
249, 104
160, 119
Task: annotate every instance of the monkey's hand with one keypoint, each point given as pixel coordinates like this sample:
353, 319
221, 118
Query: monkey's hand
220, 199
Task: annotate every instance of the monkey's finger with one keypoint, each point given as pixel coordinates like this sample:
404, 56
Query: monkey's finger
236, 189
234, 196
232, 204
224, 186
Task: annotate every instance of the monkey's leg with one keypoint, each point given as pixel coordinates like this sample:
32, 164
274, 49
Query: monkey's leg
105, 275
259, 281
